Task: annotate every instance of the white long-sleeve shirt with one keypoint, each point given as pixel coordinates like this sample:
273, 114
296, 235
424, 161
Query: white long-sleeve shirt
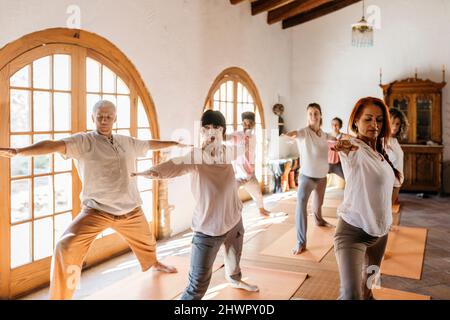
218, 207
396, 155
313, 152
368, 191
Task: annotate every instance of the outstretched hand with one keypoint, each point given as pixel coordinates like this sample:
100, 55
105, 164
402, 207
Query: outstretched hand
345, 146
182, 145
8, 152
147, 174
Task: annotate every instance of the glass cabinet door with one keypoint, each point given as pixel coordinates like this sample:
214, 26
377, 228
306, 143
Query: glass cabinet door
423, 126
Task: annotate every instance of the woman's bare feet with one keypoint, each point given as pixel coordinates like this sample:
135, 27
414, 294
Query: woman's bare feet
298, 249
159, 266
324, 223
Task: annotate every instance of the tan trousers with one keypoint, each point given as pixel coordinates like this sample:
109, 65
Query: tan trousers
72, 248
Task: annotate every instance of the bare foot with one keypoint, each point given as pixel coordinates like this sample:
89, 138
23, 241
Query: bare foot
324, 223
264, 212
158, 266
244, 286
393, 228
298, 249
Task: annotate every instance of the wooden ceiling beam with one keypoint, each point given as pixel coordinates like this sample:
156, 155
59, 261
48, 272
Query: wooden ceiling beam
260, 6
293, 9
318, 12
236, 1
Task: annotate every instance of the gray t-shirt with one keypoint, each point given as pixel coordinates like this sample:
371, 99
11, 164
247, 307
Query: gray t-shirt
104, 169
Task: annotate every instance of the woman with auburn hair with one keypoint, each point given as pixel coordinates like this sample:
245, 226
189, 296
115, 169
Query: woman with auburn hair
365, 214
313, 148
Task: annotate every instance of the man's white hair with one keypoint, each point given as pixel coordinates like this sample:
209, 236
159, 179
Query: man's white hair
103, 103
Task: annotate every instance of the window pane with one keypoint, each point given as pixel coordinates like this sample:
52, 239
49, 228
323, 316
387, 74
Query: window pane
229, 90
124, 132
20, 245
142, 116
20, 200
217, 96
20, 111
91, 100
42, 111
42, 164
21, 78
60, 163
229, 114
63, 192
92, 75
41, 73
109, 80
147, 204
223, 92
122, 87
144, 183
144, 134
110, 97
43, 238
123, 112
61, 71
43, 196
62, 222
62, 111
239, 91
20, 166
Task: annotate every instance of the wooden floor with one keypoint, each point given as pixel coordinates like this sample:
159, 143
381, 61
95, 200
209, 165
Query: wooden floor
323, 278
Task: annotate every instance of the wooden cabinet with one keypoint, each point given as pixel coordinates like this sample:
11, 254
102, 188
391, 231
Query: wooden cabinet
421, 101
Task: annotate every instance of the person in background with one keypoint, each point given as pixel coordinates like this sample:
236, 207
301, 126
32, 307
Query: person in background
245, 164
399, 128
313, 149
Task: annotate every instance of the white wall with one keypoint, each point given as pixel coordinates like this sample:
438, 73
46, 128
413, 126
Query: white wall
179, 47
326, 69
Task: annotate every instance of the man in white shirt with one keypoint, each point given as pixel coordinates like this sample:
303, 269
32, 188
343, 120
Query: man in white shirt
245, 164
110, 199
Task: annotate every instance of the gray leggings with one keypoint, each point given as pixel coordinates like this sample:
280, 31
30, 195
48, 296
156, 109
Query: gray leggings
306, 186
336, 168
204, 252
358, 255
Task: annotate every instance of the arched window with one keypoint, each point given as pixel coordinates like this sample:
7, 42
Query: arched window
47, 91
232, 93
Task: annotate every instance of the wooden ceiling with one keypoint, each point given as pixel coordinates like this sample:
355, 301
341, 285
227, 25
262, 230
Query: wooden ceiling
295, 12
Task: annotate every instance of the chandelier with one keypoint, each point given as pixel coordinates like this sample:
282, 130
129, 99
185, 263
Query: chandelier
362, 33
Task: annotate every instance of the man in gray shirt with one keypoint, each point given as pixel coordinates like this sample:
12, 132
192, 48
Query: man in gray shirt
110, 199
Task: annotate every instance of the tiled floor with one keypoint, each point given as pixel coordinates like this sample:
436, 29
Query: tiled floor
323, 281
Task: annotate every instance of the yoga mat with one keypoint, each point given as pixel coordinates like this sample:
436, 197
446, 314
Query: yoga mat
391, 294
405, 253
150, 285
273, 284
319, 242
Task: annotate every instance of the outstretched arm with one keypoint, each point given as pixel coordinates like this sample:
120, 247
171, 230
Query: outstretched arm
345, 146
40, 148
160, 144
169, 169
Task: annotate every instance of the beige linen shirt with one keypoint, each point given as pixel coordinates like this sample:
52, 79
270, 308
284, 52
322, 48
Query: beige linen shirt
104, 169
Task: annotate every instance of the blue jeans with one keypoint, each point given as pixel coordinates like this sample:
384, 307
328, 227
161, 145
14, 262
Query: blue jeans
204, 252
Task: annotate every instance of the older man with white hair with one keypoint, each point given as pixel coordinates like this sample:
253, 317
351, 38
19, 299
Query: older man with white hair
110, 199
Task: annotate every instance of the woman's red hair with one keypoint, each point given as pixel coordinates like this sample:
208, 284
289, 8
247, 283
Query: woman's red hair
385, 132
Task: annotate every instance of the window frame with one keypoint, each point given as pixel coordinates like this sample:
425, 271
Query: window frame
80, 45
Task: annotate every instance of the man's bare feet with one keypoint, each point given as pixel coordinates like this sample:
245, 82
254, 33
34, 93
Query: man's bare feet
244, 286
264, 212
158, 266
298, 249
393, 228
